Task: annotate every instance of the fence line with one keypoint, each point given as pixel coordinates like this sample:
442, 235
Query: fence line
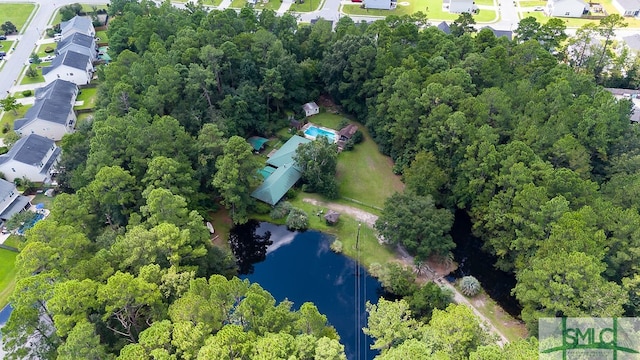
361, 203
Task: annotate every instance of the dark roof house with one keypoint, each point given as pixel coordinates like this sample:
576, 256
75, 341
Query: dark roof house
58, 90
33, 157
444, 27
51, 110
72, 59
500, 33
11, 202
80, 24
347, 132
80, 43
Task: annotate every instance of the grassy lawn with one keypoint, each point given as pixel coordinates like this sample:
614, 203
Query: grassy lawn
531, 3
27, 80
7, 275
6, 45
83, 117
89, 98
271, 5
102, 35
576, 23
485, 2
433, 8
15, 241
16, 13
512, 328
364, 174
42, 198
238, 4
41, 49
308, 6
9, 117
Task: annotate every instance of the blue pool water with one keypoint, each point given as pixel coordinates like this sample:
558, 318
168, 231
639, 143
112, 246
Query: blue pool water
29, 225
314, 132
301, 267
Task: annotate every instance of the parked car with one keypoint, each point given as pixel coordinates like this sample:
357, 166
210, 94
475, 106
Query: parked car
2, 37
538, 8
2, 53
48, 58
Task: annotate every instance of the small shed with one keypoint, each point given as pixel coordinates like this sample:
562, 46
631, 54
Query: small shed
310, 108
257, 142
296, 124
332, 217
347, 132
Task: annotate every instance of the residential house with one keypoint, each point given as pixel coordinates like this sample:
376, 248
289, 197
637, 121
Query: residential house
80, 43
629, 8
71, 66
50, 118
444, 27
500, 33
52, 114
78, 24
631, 95
32, 157
632, 42
459, 6
566, 8
310, 108
11, 202
380, 4
281, 172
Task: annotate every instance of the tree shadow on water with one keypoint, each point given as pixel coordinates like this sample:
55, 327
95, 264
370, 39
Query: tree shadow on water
248, 246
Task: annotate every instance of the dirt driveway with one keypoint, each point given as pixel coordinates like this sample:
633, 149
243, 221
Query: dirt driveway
356, 213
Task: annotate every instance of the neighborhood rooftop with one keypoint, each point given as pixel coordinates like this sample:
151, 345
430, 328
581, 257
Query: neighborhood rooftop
53, 110
78, 39
69, 58
629, 4
30, 150
57, 89
633, 41
79, 23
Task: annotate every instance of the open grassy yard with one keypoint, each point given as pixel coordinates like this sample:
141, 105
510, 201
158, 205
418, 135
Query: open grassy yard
42, 198
84, 117
433, 9
15, 241
6, 45
88, 96
513, 329
531, 3
576, 23
34, 80
16, 13
40, 50
7, 275
102, 35
9, 117
308, 6
270, 4
485, 2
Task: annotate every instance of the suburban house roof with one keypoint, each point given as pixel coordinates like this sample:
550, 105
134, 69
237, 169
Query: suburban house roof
310, 106
69, 58
633, 95
633, 41
284, 155
277, 184
348, 131
6, 188
30, 150
19, 204
498, 33
581, 2
79, 23
57, 89
444, 27
80, 39
53, 110
629, 4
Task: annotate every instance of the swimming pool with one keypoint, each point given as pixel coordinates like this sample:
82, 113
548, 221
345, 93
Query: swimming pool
313, 132
30, 224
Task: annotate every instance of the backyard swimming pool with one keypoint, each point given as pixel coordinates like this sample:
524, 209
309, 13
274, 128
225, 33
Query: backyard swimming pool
313, 132
30, 224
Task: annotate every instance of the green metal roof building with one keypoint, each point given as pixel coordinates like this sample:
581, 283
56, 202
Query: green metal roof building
285, 176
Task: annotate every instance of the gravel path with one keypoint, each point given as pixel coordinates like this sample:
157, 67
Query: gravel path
407, 259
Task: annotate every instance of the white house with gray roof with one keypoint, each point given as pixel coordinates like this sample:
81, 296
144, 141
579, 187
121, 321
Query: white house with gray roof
11, 202
33, 157
566, 8
52, 114
629, 8
80, 43
78, 24
632, 42
71, 66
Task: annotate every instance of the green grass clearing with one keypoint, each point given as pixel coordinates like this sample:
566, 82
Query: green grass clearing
34, 80
9, 117
102, 35
40, 50
510, 327
308, 6
15, 241
42, 198
6, 45
84, 117
433, 9
364, 174
576, 22
270, 4
7, 275
485, 2
87, 95
531, 3
16, 13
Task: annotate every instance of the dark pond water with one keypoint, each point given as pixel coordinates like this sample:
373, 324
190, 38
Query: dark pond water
301, 267
472, 260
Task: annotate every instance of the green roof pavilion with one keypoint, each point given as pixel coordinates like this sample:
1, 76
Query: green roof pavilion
257, 142
276, 185
284, 155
